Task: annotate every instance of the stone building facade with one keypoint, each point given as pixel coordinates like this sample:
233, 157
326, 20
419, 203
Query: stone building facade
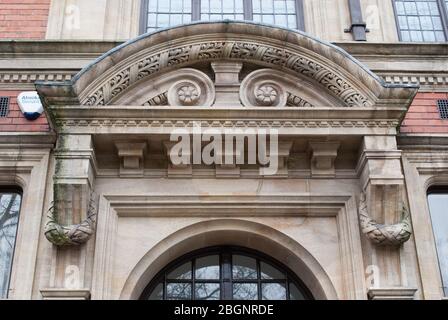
354, 93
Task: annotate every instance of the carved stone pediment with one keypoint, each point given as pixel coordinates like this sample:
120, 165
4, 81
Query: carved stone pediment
117, 77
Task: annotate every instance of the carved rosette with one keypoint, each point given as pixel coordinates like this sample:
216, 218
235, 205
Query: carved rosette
266, 94
384, 235
255, 91
195, 89
186, 93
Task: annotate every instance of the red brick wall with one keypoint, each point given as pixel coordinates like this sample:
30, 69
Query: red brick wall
16, 122
23, 19
423, 115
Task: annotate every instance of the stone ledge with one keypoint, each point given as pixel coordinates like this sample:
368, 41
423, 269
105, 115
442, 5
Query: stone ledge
65, 294
392, 293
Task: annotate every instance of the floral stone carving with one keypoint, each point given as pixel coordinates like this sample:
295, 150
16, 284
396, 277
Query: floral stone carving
266, 95
384, 235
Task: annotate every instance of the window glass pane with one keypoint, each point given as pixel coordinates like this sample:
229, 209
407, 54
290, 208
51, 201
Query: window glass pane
176, 5
9, 219
244, 267
267, 6
175, 19
295, 293
440, 36
416, 36
429, 36
164, 6
215, 6
267, 18
181, 273
281, 20
208, 291
163, 20
239, 6
410, 8
245, 291
419, 20
166, 13
157, 294
268, 272
178, 291
279, 6
405, 36
273, 291
207, 268
438, 202
152, 20
256, 6
152, 5
403, 22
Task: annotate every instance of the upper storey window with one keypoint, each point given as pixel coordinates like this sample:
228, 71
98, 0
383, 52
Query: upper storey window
165, 13
421, 20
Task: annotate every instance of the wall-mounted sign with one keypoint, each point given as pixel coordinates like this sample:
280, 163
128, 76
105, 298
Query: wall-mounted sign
30, 105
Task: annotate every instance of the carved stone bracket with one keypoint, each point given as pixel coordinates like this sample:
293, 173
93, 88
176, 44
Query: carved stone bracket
72, 216
70, 235
381, 234
323, 155
184, 169
131, 156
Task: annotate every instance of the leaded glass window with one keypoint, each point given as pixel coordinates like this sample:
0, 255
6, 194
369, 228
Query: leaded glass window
10, 202
157, 14
421, 20
226, 273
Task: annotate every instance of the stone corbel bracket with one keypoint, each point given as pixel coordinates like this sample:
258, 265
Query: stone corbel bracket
384, 235
72, 216
70, 235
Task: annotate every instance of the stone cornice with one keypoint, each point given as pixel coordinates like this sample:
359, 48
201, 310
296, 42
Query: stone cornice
77, 48
163, 120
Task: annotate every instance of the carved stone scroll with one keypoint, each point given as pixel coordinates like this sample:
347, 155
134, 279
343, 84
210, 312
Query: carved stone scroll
384, 235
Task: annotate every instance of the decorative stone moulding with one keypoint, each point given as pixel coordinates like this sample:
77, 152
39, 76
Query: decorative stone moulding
273, 88
113, 78
182, 87
67, 199
384, 235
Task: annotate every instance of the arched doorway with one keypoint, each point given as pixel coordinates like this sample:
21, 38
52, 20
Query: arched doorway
226, 273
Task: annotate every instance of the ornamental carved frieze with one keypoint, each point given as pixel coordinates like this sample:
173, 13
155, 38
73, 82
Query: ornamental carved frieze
382, 234
267, 55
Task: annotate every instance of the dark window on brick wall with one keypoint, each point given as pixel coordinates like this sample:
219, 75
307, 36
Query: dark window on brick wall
443, 108
4, 106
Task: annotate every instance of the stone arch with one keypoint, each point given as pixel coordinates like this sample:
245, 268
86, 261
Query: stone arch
231, 232
329, 68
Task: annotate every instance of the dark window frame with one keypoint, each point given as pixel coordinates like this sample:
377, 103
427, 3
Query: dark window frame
19, 191
443, 9
226, 279
196, 13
